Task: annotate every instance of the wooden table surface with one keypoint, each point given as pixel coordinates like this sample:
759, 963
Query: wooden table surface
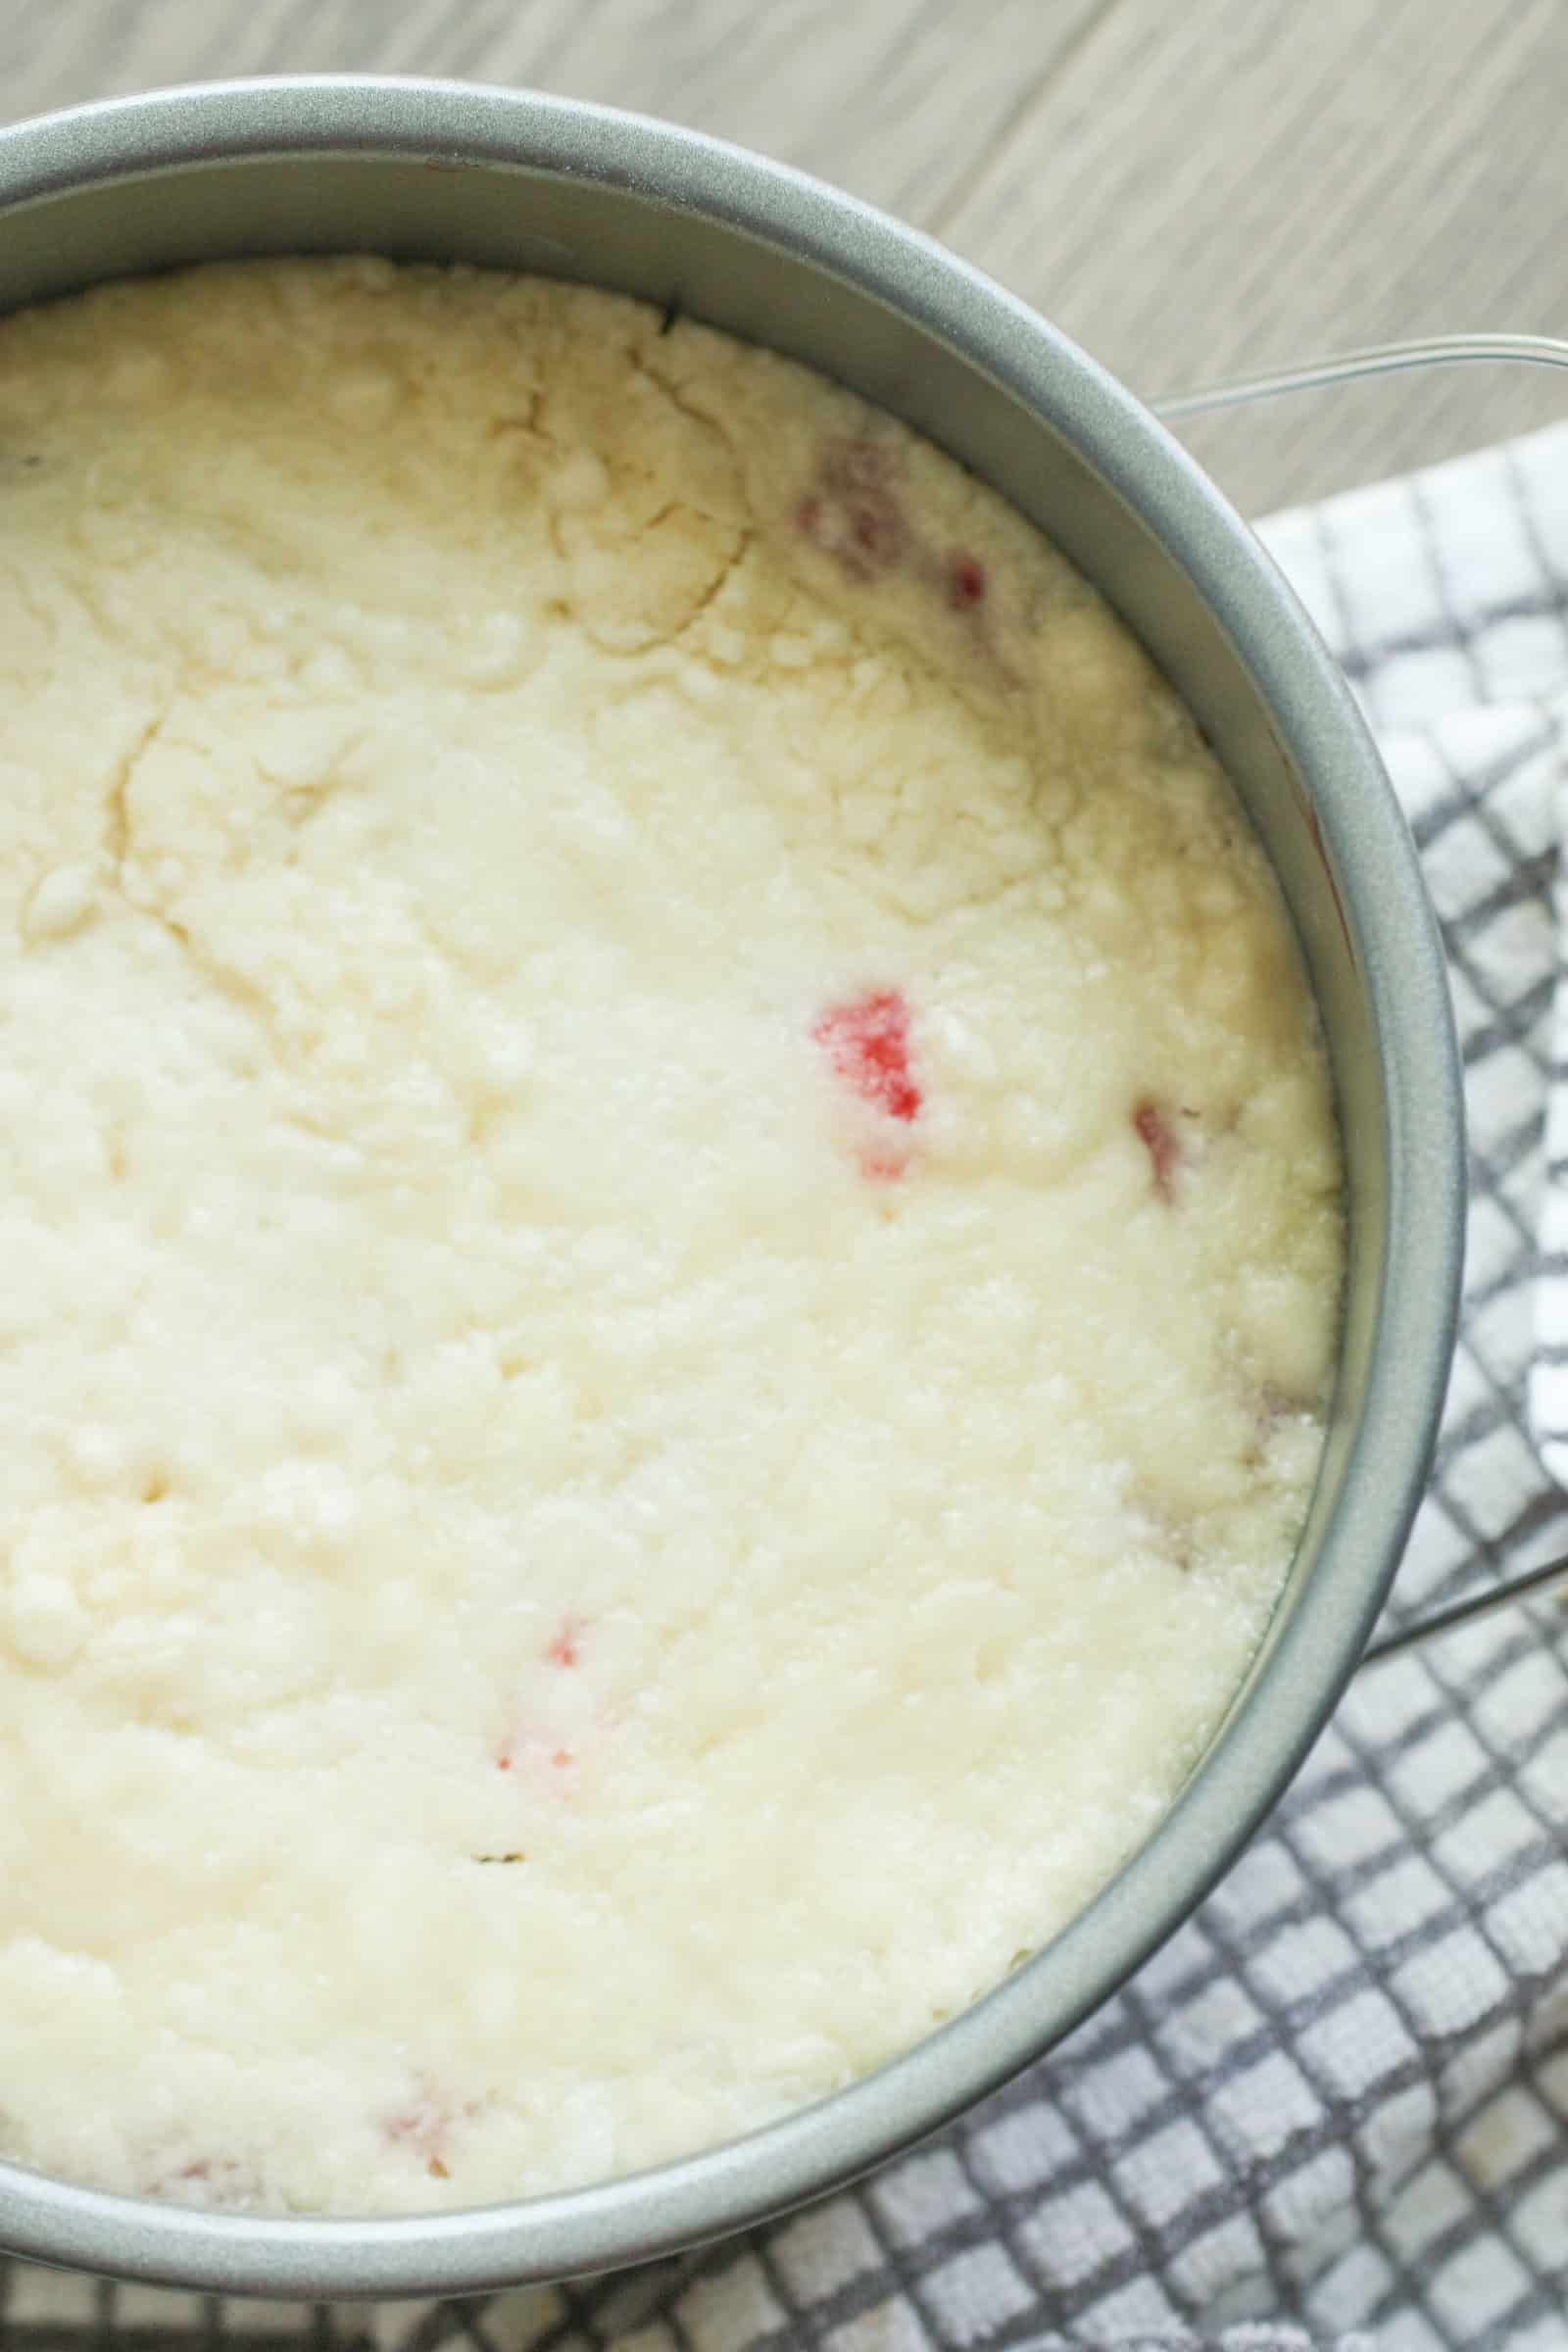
1191, 190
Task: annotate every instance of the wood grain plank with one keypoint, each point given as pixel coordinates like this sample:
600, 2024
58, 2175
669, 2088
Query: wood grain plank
1206, 191
899, 100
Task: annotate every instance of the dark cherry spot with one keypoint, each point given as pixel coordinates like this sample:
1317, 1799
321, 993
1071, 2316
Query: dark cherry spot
868, 1045
966, 582
871, 532
1154, 1133
852, 511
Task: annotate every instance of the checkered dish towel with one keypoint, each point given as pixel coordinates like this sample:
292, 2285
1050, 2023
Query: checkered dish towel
1334, 2110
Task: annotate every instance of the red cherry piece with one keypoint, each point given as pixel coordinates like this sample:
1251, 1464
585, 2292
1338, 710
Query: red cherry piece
868, 1045
966, 582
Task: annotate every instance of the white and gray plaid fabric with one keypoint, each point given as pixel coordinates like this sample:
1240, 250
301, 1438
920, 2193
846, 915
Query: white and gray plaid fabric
1338, 2100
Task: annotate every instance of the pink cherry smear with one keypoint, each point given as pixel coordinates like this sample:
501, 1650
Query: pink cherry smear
868, 1045
1153, 1126
1154, 1133
555, 1768
425, 2130
565, 1650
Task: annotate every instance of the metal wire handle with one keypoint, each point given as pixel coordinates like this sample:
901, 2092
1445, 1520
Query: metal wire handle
1355, 367
1311, 375
1469, 1611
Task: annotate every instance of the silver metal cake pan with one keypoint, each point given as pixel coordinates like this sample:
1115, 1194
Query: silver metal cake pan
441, 171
